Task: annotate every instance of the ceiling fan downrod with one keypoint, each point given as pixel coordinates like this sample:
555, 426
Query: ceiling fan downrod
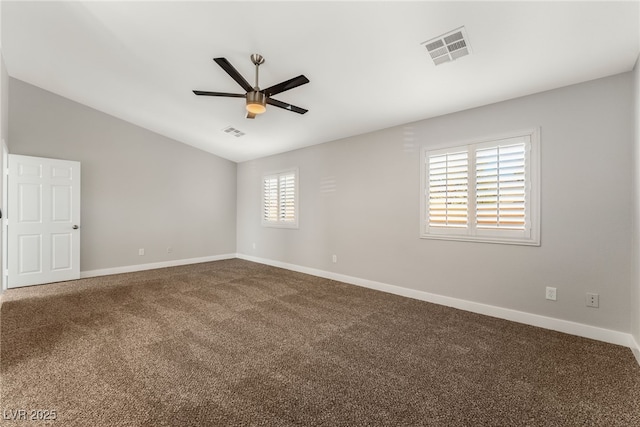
256, 100
257, 59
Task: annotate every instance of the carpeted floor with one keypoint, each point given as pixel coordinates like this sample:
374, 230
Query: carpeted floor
233, 343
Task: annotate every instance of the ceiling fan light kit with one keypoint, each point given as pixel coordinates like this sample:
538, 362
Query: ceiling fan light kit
256, 99
256, 102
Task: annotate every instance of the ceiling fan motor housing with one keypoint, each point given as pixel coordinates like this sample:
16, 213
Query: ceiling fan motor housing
256, 102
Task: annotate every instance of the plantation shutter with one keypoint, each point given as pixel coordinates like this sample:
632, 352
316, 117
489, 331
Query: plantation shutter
448, 190
279, 199
270, 199
287, 202
486, 191
501, 187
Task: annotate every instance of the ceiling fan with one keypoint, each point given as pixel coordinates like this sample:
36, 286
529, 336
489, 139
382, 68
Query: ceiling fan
257, 98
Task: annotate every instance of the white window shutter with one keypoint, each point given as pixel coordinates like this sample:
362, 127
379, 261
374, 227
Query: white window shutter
287, 203
448, 189
270, 199
279, 199
501, 187
486, 191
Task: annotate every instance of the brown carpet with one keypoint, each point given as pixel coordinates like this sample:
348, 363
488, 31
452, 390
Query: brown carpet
237, 343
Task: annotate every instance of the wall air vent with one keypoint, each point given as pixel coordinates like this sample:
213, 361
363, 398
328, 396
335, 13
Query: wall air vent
233, 132
449, 46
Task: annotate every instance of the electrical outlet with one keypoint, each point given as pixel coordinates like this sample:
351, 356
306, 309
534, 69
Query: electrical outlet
169, 249
254, 245
141, 251
334, 258
593, 300
550, 293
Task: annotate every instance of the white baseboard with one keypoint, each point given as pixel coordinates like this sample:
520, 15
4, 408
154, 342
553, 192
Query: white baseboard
153, 265
635, 348
573, 328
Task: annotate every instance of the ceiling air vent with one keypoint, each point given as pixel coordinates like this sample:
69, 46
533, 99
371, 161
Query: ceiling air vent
449, 46
233, 131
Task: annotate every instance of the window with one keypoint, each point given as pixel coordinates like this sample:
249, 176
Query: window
280, 199
485, 191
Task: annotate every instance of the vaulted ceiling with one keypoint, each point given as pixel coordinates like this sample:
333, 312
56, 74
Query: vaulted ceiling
366, 61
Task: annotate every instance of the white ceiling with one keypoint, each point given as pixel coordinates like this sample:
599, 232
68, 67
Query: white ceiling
139, 61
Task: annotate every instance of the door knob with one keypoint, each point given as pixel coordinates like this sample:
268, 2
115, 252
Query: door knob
75, 227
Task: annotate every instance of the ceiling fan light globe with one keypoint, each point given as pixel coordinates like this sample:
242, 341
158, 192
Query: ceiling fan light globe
256, 108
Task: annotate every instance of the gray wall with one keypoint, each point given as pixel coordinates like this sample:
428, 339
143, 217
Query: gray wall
139, 189
359, 199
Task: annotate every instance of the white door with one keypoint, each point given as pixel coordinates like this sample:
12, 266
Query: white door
43, 220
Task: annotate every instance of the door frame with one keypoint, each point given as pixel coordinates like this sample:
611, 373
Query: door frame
4, 266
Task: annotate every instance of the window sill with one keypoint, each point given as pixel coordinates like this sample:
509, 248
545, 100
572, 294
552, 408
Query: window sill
483, 239
280, 225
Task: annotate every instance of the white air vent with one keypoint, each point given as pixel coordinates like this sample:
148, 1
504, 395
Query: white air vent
448, 47
233, 131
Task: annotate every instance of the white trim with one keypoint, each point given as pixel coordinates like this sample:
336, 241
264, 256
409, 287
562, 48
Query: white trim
4, 265
566, 326
153, 265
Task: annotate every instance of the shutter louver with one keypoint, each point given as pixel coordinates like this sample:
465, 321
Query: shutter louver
500, 187
448, 190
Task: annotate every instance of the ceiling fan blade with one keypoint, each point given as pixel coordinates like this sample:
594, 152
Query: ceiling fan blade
286, 106
235, 75
231, 95
289, 84
250, 115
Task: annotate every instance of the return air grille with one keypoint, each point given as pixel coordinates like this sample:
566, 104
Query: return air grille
233, 131
448, 47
